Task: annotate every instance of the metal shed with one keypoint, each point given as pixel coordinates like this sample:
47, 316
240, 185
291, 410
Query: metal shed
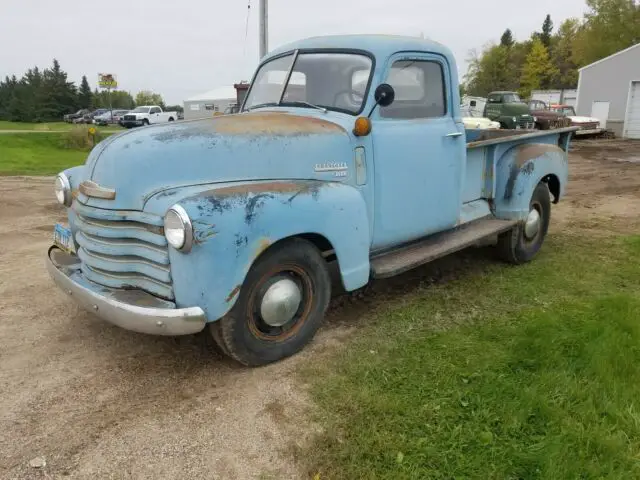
208, 104
609, 90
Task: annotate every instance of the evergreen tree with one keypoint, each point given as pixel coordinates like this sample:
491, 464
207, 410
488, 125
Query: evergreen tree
507, 38
547, 28
84, 94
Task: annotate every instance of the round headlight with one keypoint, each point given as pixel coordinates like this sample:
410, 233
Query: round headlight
515, 119
63, 190
177, 228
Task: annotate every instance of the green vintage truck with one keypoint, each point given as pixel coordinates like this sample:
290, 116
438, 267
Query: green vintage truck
508, 109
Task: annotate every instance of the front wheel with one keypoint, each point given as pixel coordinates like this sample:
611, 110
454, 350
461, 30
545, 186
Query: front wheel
145, 122
521, 243
280, 306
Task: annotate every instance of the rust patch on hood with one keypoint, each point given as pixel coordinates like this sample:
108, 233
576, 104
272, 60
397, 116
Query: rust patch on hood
272, 123
261, 187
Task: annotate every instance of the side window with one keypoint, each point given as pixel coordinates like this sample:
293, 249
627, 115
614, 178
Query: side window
495, 99
420, 90
155, 110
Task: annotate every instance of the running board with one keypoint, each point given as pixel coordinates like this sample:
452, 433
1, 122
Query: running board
438, 245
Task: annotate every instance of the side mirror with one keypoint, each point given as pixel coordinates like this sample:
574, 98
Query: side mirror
384, 95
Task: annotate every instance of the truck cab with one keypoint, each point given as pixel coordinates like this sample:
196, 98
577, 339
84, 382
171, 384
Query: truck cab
347, 149
509, 110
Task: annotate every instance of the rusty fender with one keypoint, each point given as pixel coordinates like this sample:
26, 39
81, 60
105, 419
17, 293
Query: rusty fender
235, 224
519, 171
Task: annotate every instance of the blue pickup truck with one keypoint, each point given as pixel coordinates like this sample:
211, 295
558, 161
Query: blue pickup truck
347, 148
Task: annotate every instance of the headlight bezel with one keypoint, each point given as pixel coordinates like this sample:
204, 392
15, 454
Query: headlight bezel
186, 226
66, 189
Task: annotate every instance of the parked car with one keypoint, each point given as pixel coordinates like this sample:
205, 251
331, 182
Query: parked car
229, 222
586, 125
472, 120
72, 116
481, 123
88, 117
507, 109
547, 119
109, 117
147, 115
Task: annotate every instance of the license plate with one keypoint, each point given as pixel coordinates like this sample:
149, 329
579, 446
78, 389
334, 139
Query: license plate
62, 238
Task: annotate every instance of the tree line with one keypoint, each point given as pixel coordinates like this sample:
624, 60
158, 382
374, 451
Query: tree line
46, 95
550, 60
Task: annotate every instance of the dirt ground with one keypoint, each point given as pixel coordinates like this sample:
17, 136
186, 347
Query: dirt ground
95, 401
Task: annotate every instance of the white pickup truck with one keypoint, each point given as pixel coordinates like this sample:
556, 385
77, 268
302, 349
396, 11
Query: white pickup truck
147, 115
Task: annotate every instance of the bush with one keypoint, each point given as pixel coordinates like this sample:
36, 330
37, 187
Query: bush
78, 138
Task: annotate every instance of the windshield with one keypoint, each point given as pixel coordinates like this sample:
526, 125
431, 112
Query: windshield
565, 111
140, 110
335, 81
511, 98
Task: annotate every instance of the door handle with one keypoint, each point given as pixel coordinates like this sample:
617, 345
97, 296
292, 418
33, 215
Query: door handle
454, 134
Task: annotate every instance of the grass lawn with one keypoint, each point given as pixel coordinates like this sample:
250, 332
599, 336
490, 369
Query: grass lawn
37, 154
49, 127
535, 375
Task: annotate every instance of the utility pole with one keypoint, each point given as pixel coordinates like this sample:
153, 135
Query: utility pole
264, 27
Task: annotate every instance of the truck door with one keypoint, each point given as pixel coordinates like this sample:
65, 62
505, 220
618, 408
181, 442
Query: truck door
154, 115
419, 152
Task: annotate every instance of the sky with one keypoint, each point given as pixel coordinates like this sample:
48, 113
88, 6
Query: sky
181, 48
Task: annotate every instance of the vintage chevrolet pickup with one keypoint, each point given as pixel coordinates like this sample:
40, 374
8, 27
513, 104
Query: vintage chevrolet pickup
348, 149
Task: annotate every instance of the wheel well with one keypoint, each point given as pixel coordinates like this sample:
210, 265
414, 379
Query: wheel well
319, 241
554, 186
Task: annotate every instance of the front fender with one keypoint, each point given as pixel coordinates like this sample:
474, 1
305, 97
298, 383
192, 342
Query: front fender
519, 171
234, 224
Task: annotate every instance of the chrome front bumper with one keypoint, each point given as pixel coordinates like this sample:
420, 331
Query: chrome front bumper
130, 309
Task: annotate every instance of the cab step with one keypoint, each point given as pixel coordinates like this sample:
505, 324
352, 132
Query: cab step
435, 246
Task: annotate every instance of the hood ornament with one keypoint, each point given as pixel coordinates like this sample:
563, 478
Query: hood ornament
92, 189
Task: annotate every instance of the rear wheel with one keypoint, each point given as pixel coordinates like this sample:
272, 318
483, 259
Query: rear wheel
280, 306
521, 243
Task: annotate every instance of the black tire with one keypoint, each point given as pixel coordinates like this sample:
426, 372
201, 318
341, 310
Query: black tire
216, 333
514, 246
145, 122
245, 336
171, 119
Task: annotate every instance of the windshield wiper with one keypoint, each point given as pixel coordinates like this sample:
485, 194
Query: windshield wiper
302, 102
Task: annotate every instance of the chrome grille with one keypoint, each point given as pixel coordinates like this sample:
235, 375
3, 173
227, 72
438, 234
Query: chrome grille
526, 122
123, 249
129, 117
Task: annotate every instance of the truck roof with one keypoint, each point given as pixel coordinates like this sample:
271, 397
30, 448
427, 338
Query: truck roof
382, 46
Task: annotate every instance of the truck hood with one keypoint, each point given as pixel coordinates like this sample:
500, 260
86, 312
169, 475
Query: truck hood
479, 123
516, 109
141, 163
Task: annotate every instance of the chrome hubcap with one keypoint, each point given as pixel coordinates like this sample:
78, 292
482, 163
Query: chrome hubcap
280, 302
532, 225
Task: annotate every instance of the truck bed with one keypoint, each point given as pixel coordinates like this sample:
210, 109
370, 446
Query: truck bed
482, 138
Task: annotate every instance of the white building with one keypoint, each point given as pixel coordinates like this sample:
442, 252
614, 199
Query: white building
209, 103
609, 90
